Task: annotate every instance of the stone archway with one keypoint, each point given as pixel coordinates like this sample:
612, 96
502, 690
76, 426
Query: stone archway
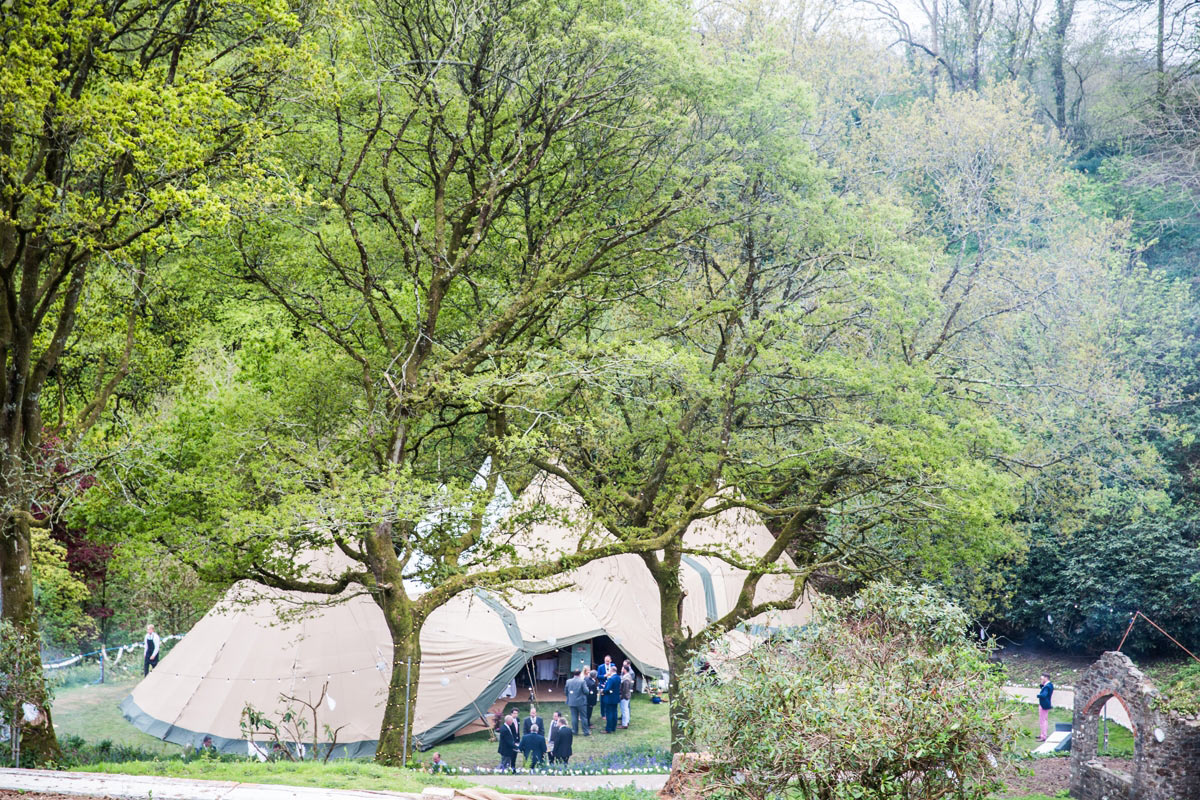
1166, 763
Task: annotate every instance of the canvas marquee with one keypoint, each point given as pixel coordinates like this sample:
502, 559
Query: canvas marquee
245, 651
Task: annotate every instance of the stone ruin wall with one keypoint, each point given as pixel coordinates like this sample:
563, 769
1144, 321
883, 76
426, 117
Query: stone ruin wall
1166, 763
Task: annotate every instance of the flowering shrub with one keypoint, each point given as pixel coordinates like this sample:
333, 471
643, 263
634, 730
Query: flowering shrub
627, 761
556, 770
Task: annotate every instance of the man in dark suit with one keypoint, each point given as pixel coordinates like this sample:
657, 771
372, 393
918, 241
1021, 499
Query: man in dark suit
556, 720
531, 720
610, 698
593, 694
508, 743
577, 703
533, 746
562, 743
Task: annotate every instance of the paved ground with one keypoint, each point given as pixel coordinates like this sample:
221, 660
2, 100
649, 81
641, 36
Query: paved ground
1065, 698
140, 787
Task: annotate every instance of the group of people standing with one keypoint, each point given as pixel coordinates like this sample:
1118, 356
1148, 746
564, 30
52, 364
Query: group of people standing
607, 686
534, 740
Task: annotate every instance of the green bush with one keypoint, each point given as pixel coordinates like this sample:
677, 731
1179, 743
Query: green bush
1182, 693
77, 752
884, 697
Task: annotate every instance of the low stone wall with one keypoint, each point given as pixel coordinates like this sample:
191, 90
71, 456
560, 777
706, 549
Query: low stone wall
1099, 782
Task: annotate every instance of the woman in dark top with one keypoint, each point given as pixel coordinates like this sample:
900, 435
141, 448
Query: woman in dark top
1044, 705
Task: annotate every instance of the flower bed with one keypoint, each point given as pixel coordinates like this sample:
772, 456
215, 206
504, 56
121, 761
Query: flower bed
629, 761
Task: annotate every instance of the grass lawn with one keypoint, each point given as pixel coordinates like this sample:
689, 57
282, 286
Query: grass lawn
337, 774
649, 729
1120, 740
92, 713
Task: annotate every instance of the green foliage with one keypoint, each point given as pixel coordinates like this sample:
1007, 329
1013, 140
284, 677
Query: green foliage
79, 753
1182, 693
882, 697
1080, 588
757, 269
59, 594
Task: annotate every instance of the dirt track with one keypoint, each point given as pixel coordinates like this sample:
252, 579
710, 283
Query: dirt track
1051, 776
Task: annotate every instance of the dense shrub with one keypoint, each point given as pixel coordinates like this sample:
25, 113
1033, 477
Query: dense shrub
1078, 591
77, 752
1182, 692
885, 697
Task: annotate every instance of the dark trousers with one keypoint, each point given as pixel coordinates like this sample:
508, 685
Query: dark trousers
508, 762
147, 663
578, 715
591, 708
610, 717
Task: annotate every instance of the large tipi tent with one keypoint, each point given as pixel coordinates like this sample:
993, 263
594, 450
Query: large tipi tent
472, 648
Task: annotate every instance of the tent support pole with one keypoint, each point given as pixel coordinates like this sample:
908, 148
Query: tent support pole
407, 688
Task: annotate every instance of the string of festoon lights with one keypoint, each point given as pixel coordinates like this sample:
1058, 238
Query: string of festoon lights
379, 666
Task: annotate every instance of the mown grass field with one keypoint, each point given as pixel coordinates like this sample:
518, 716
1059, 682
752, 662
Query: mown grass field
339, 774
649, 729
92, 714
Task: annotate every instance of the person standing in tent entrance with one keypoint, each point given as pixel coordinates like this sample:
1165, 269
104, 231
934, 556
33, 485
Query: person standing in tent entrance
606, 669
508, 743
610, 698
593, 693
533, 746
153, 646
1044, 706
626, 693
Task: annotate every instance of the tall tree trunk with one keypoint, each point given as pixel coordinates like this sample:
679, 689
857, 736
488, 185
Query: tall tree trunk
16, 584
1064, 10
674, 638
1159, 60
395, 734
679, 658
404, 620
